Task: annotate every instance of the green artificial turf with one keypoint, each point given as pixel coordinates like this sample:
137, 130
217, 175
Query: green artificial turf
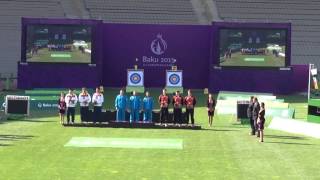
35, 149
299, 103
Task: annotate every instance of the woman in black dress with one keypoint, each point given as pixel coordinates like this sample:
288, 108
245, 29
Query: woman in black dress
62, 107
211, 103
261, 121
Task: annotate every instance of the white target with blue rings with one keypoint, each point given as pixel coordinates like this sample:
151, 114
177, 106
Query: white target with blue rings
174, 78
135, 78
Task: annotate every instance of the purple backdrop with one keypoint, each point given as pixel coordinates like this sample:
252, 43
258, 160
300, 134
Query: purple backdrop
155, 48
260, 80
188, 47
58, 76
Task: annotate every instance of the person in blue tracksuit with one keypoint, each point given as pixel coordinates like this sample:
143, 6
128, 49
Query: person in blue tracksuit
135, 106
121, 105
147, 108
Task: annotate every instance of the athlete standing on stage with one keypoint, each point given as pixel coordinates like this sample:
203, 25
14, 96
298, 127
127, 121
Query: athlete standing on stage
97, 100
190, 102
177, 102
147, 108
84, 99
121, 106
164, 101
135, 107
71, 101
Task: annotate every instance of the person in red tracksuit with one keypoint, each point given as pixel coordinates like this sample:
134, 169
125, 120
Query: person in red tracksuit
177, 102
164, 101
190, 102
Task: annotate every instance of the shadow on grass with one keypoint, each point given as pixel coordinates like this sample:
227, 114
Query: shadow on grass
10, 138
234, 126
285, 137
24, 120
30, 120
225, 130
13, 137
5, 145
289, 143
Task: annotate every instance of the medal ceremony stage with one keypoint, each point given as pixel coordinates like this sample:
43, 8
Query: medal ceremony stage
43, 101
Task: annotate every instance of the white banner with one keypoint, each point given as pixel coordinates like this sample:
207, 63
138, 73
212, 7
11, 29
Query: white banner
174, 78
135, 77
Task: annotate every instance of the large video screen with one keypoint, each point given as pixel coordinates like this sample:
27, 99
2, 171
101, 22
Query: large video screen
58, 43
253, 47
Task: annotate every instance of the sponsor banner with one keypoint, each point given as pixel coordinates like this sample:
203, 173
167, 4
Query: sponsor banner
43, 105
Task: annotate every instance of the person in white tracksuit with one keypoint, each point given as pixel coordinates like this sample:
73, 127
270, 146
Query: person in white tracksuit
97, 100
84, 100
71, 100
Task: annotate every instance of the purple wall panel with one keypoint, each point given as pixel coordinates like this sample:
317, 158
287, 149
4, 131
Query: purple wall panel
57, 76
300, 78
187, 47
260, 80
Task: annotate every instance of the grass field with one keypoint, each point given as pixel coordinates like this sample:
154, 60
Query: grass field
34, 149
268, 60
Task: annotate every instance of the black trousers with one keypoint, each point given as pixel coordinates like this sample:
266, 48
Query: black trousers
177, 115
253, 126
164, 115
96, 114
190, 112
70, 112
84, 113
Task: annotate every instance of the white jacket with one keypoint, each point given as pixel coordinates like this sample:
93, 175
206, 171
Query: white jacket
84, 100
97, 99
71, 100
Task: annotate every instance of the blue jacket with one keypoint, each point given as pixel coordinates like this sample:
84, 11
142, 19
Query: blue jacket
121, 102
147, 103
135, 103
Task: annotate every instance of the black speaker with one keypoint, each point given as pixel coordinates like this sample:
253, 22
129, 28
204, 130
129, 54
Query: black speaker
242, 107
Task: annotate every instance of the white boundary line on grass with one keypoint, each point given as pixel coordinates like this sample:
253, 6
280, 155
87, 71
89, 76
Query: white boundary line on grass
295, 126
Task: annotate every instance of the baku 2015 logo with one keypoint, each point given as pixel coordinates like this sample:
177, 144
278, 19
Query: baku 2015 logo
159, 45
